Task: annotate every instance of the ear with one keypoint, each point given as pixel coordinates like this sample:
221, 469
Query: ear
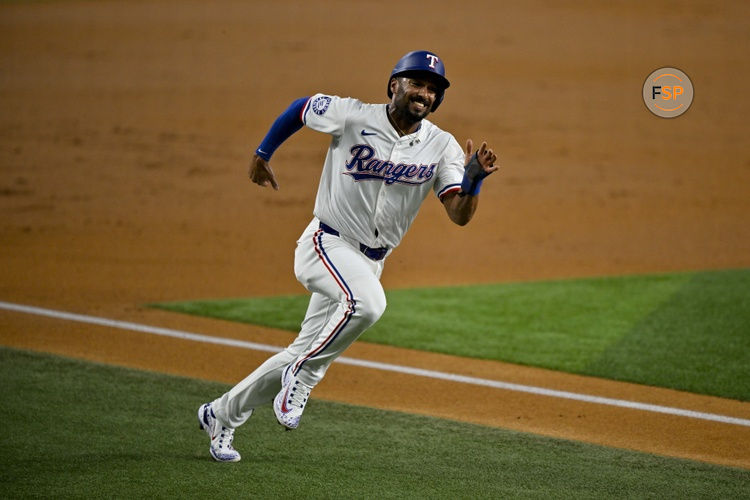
393, 85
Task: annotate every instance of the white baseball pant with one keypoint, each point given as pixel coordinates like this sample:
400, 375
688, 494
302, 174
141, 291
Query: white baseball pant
347, 298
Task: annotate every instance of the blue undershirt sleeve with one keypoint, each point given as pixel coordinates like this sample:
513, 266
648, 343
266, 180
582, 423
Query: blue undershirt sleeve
285, 125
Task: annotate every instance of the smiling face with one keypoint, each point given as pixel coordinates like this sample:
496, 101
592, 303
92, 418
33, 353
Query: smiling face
413, 96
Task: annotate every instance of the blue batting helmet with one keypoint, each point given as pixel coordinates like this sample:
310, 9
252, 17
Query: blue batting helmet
422, 61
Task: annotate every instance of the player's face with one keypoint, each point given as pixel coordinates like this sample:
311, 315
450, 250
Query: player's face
414, 96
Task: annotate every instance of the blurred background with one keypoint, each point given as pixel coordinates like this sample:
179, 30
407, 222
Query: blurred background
126, 130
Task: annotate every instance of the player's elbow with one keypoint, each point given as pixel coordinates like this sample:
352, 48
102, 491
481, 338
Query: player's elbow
460, 209
461, 219
461, 213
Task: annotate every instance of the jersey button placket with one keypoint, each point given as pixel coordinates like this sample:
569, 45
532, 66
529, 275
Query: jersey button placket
380, 203
379, 209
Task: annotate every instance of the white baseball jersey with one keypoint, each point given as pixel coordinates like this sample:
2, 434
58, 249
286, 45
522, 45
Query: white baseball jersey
374, 181
372, 185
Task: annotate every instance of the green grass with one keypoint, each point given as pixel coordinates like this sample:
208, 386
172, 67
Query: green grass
76, 429
688, 331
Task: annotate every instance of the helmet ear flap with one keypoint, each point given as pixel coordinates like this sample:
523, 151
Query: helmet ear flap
438, 100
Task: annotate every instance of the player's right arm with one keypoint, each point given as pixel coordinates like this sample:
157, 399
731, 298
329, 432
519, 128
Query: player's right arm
320, 112
289, 122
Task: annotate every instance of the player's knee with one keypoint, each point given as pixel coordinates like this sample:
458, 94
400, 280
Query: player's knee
372, 308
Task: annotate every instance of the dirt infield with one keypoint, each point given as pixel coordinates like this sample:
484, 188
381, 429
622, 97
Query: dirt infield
127, 126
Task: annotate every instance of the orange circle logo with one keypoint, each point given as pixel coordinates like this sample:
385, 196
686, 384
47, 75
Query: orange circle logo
668, 92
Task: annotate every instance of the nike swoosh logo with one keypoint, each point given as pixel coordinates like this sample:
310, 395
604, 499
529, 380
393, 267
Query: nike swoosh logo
284, 408
364, 132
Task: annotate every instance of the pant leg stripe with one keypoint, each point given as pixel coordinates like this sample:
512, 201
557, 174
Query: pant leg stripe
318, 242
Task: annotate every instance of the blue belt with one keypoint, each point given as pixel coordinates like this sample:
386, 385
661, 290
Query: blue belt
370, 253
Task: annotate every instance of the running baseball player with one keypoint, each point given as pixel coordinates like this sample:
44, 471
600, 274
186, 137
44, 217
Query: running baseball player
382, 162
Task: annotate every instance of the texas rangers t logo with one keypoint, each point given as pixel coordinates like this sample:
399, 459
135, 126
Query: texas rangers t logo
433, 60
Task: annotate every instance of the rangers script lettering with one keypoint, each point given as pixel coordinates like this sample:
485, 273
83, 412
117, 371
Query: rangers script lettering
364, 160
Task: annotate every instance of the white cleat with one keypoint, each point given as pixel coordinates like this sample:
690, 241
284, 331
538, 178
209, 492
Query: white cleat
289, 403
221, 437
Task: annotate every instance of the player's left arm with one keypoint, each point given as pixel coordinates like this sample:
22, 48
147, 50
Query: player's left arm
461, 205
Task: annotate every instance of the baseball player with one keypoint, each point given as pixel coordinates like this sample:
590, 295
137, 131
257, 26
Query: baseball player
382, 162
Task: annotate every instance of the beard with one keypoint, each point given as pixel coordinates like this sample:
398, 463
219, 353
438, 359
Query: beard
413, 109
417, 109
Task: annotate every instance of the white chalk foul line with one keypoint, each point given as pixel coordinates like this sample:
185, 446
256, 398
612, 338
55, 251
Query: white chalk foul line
451, 377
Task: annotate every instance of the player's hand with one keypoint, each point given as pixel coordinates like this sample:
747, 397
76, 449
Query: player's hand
261, 174
486, 157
